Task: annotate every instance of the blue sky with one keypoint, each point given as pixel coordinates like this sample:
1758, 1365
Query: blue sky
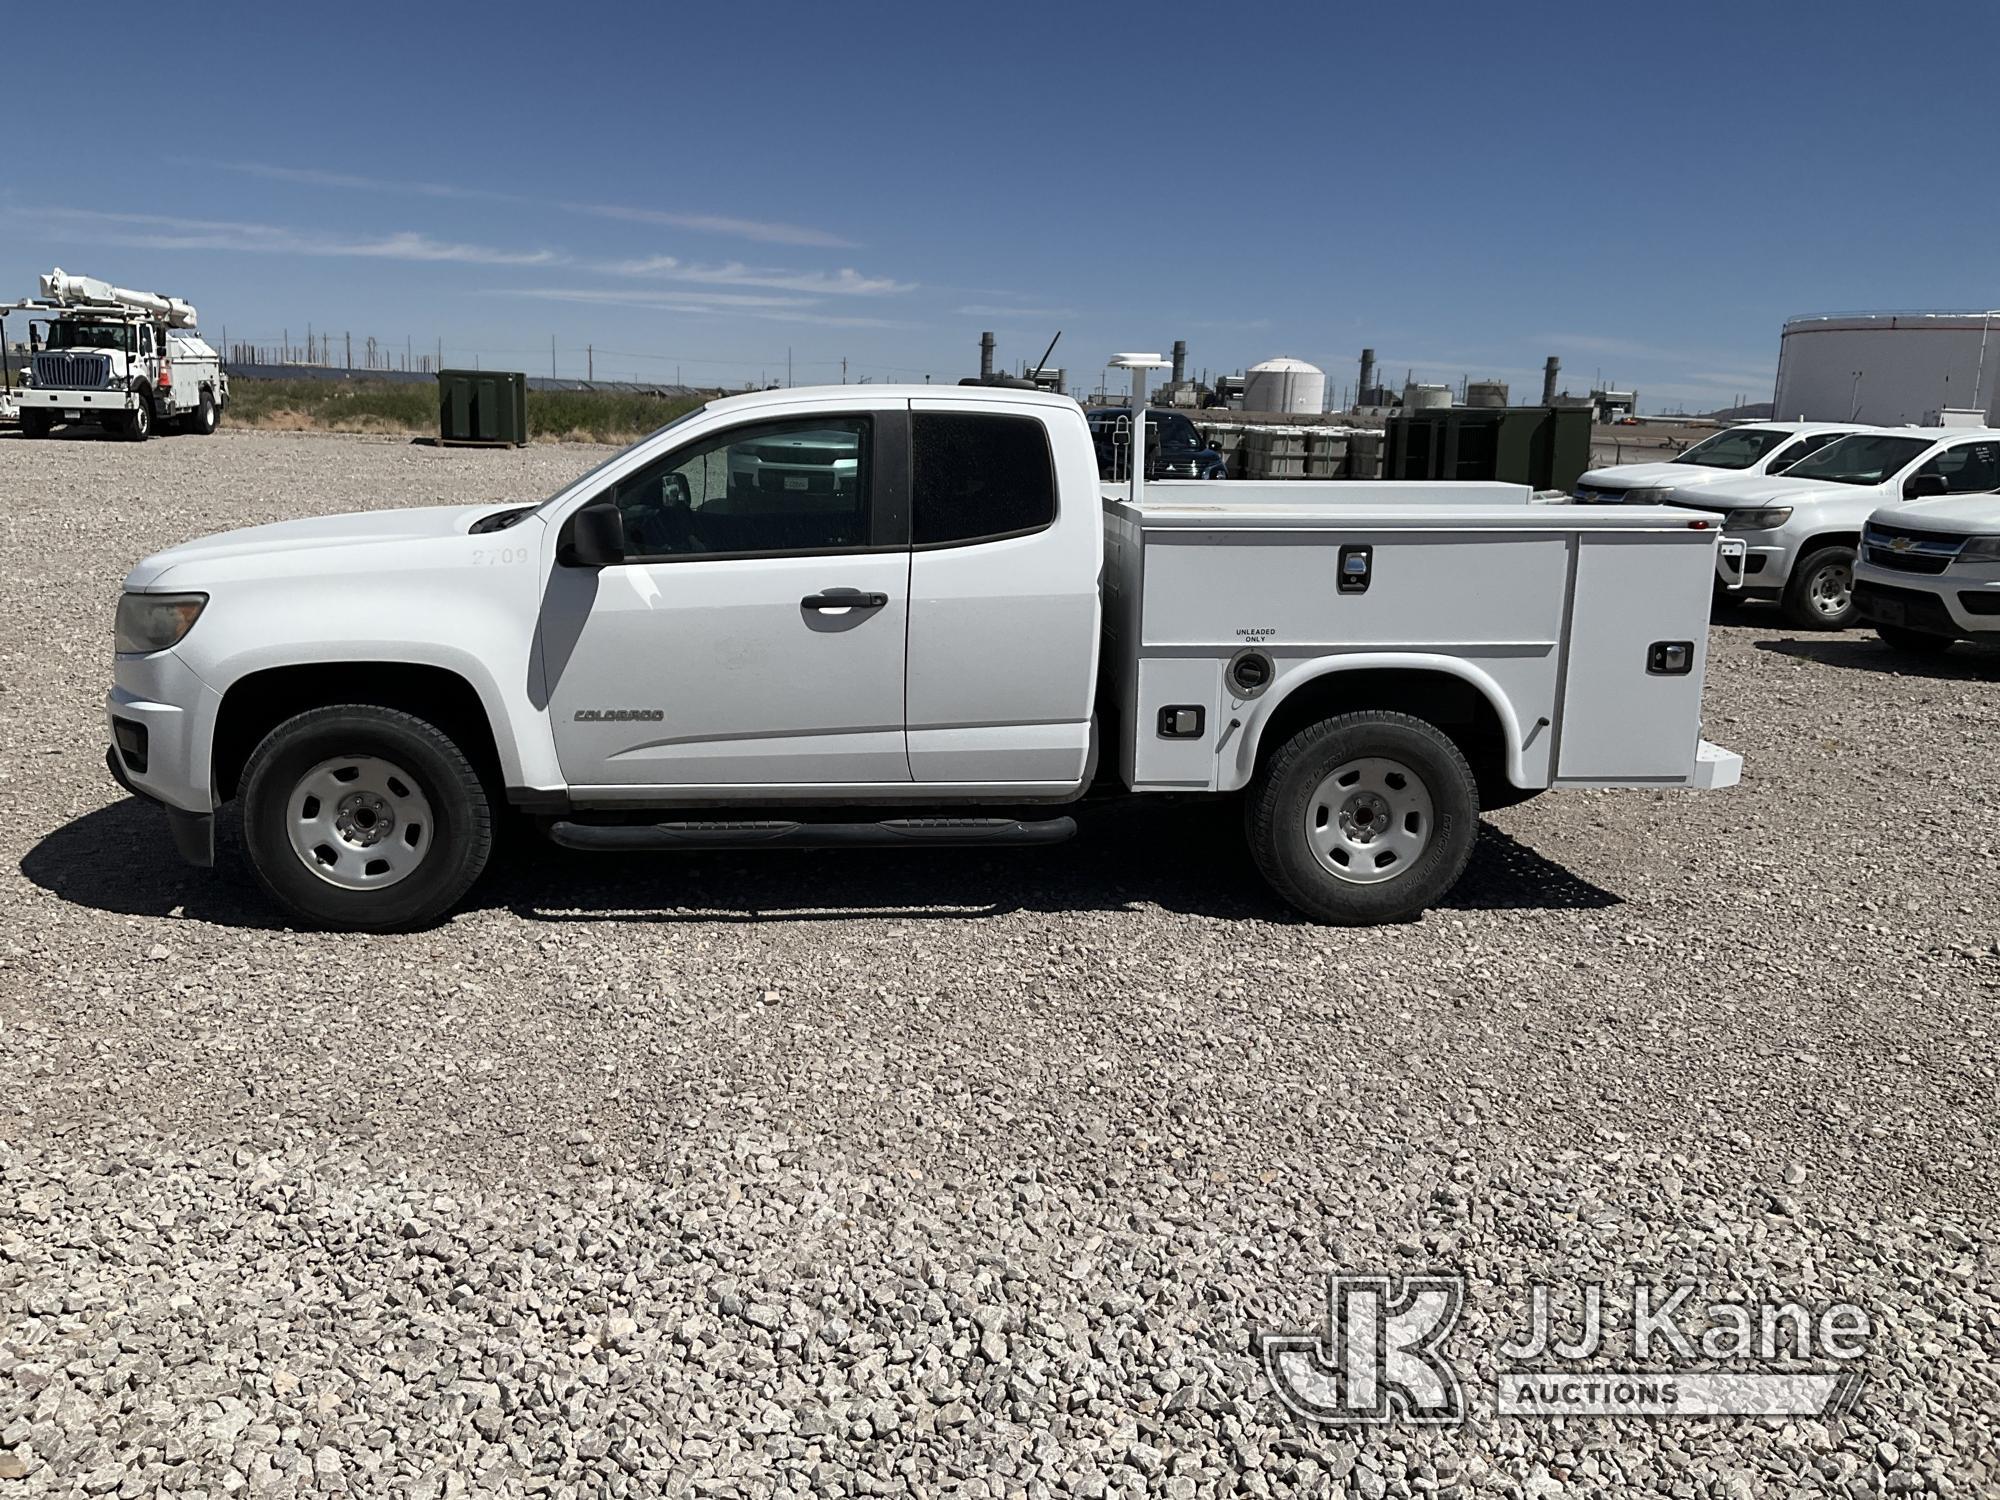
1646, 192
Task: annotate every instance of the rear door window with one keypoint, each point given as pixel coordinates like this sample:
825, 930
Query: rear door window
977, 477
1968, 469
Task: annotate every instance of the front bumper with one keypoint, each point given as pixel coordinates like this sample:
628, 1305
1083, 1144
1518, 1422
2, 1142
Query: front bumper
194, 833
85, 404
1940, 604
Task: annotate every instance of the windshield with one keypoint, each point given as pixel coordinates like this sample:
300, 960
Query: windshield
1737, 449
598, 468
90, 336
1864, 458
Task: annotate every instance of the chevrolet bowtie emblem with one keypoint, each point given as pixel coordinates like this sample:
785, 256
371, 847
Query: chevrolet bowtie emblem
1901, 544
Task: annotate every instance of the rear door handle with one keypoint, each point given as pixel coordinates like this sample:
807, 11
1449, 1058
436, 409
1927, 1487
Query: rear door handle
844, 601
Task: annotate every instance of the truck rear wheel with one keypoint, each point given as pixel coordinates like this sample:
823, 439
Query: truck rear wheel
201, 421
1820, 593
139, 420
1363, 819
365, 818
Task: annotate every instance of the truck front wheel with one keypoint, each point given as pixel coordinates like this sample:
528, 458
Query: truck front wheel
36, 424
139, 420
363, 817
1820, 593
1363, 819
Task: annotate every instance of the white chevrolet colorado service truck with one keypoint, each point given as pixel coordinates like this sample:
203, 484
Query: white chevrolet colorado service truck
1929, 573
108, 357
1792, 537
904, 616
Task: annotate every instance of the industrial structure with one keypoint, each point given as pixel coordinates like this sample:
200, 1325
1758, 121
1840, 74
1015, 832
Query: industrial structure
1284, 385
1887, 368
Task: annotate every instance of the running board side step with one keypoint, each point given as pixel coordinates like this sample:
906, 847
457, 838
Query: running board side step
890, 833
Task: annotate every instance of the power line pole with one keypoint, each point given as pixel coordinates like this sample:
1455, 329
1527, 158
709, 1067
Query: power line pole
552, 356
350, 349
590, 363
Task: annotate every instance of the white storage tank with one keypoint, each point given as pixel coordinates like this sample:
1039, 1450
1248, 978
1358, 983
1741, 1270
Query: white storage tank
1888, 368
1486, 393
1418, 396
1287, 385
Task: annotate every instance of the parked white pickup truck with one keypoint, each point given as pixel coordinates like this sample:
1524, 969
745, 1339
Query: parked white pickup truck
1929, 573
927, 625
1792, 538
1746, 452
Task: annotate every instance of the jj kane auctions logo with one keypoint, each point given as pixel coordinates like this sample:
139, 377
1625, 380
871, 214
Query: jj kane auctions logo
1381, 1356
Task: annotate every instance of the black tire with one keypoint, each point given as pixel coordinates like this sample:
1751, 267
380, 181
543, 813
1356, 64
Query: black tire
36, 424
1916, 642
1819, 578
457, 842
201, 421
1284, 798
138, 423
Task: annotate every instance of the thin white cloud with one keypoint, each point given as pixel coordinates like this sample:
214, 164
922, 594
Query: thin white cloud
765, 231
770, 309
984, 310
168, 232
845, 282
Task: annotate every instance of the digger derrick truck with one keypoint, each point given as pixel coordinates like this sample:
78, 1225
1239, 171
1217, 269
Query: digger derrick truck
108, 357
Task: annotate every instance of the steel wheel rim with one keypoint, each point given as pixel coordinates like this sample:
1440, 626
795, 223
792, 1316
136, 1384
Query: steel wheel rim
359, 822
1369, 820
1831, 588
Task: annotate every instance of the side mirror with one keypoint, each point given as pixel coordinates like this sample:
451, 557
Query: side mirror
595, 537
1925, 487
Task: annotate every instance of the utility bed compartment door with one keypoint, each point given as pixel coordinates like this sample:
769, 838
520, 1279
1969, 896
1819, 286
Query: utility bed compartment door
1632, 705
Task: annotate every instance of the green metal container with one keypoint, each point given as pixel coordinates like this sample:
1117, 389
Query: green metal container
1544, 447
486, 408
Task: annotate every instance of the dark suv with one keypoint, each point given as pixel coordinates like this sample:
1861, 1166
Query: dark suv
1175, 447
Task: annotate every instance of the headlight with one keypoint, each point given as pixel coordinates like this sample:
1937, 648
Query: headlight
1758, 518
1983, 549
153, 622
1654, 495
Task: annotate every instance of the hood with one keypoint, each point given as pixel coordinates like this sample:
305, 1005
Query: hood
190, 561
1638, 476
1977, 514
1770, 489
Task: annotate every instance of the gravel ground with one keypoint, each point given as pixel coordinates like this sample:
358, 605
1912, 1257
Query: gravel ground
962, 1173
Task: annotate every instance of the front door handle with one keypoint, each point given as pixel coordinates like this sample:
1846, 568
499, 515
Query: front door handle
843, 601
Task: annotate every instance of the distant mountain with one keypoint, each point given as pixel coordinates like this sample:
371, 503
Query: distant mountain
1756, 411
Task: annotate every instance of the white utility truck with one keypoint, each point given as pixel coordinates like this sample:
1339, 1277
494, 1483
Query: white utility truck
1792, 537
1746, 452
905, 617
105, 356
1929, 573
